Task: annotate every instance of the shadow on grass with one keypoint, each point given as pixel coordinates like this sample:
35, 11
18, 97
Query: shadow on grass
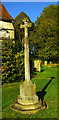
42, 70
42, 93
35, 70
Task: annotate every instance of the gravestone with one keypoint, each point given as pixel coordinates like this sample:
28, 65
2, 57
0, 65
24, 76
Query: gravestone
27, 102
40, 61
50, 64
45, 63
37, 65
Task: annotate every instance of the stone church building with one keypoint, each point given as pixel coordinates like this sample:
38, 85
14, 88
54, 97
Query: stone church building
6, 26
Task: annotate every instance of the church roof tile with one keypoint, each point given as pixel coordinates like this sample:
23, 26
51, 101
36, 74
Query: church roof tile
4, 15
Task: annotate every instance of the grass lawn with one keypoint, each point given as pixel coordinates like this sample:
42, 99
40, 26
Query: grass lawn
46, 87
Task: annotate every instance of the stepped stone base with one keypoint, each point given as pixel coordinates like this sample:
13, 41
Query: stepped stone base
28, 101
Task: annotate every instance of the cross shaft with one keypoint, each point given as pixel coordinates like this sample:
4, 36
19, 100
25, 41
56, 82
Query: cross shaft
26, 45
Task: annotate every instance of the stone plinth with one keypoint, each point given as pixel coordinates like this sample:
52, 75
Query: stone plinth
27, 93
28, 101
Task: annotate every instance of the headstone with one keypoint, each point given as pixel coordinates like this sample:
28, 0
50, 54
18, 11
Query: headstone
37, 65
40, 61
50, 63
28, 101
45, 63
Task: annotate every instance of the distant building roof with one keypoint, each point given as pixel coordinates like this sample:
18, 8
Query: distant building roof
4, 15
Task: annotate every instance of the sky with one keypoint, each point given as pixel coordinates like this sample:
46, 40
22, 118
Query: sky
32, 9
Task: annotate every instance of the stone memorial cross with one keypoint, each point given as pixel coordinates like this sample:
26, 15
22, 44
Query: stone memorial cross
27, 66
28, 102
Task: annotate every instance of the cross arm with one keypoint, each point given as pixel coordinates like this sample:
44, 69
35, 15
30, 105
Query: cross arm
21, 26
30, 24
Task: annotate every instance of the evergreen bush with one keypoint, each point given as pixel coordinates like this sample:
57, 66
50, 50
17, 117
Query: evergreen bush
8, 61
12, 63
20, 65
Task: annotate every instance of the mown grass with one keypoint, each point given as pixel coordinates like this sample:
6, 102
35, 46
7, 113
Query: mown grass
46, 88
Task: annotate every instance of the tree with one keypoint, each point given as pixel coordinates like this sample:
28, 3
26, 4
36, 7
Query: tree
19, 33
44, 37
19, 38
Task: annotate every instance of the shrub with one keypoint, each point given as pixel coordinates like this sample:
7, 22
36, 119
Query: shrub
8, 61
12, 62
20, 65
